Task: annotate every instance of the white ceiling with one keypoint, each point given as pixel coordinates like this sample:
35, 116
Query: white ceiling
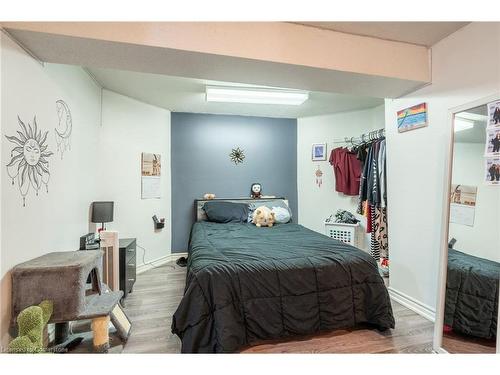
188, 95
421, 33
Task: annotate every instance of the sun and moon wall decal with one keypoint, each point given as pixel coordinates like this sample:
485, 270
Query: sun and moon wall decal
29, 163
64, 129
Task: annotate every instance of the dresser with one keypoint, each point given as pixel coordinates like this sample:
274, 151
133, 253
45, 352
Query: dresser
128, 262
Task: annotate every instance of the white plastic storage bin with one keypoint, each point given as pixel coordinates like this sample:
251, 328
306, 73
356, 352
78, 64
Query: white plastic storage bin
347, 233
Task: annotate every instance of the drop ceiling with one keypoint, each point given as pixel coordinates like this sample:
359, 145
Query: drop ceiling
421, 33
188, 95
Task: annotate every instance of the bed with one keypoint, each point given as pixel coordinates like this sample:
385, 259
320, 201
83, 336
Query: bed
471, 304
245, 285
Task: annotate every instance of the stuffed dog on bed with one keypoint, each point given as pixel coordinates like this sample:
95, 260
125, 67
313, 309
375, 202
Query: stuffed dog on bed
263, 216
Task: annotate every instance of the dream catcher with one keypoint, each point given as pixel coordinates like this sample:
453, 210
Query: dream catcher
319, 177
28, 163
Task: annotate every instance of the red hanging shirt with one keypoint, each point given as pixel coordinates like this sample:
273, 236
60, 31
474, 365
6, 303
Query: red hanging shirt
347, 171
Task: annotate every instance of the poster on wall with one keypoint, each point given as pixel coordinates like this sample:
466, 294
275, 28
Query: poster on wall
412, 118
150, 176
494, 115
463, 204
319, 152
492, 171
492, 146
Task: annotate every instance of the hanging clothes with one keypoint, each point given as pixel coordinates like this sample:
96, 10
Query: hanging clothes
363, 186
373, 198
374, 244
347, 171
381, 171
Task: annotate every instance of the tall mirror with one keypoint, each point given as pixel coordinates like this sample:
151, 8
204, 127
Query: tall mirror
471, 294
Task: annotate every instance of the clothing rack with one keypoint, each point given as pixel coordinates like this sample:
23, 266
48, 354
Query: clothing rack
366, 137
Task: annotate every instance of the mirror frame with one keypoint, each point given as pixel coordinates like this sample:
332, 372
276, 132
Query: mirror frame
443, 256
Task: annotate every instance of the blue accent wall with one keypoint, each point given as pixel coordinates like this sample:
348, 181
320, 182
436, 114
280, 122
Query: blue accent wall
201, 145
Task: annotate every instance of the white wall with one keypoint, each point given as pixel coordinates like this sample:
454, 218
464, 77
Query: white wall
316, 204
51, 221
103, 164
130, 127
465, 67
483, 238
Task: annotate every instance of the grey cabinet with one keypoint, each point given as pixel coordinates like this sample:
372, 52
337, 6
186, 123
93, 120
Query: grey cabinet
128, 263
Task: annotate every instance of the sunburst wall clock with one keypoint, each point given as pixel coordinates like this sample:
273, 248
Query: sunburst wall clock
237, 155
28, 163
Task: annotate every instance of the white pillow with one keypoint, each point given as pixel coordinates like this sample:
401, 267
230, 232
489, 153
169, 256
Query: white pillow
281, 215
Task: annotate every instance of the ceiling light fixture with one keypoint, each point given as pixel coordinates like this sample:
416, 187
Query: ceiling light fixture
255, 95
462, 124
472, 116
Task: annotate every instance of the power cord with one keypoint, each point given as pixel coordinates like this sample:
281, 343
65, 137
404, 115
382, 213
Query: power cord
151, 263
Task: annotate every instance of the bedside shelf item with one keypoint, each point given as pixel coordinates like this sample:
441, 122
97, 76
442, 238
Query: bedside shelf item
347, 233
128, 265
159, 224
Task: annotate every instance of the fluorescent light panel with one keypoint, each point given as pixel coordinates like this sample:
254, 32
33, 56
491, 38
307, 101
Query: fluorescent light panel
472, 116
255, 95
462, 124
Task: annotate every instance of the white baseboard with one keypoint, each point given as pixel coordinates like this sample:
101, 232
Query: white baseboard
440, 351
159, 262
420, 308
175, 256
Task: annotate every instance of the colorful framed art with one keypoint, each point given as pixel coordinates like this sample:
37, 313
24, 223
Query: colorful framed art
412, 118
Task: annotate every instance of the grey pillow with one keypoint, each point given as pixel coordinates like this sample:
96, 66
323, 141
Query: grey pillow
282, 212
226, 212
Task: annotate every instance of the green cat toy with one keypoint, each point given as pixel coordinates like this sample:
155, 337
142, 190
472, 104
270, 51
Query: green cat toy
31, 322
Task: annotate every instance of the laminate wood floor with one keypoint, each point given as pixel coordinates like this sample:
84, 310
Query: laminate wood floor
457, 343
158, 292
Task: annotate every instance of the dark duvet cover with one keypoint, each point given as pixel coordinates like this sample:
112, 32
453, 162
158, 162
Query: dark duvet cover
246, 284
471, 304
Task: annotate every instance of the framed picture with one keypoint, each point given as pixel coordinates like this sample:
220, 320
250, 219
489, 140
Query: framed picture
319, 152
412, 118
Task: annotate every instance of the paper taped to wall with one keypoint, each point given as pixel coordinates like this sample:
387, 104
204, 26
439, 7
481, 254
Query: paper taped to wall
150, 175
462, 214
151, 187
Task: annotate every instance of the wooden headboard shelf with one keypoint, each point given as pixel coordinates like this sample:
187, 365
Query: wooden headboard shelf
200, 213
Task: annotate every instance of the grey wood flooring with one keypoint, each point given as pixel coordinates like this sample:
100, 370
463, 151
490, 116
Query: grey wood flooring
158, 292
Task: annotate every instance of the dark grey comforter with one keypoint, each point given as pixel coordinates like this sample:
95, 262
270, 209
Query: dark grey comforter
246, 284
471, 304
